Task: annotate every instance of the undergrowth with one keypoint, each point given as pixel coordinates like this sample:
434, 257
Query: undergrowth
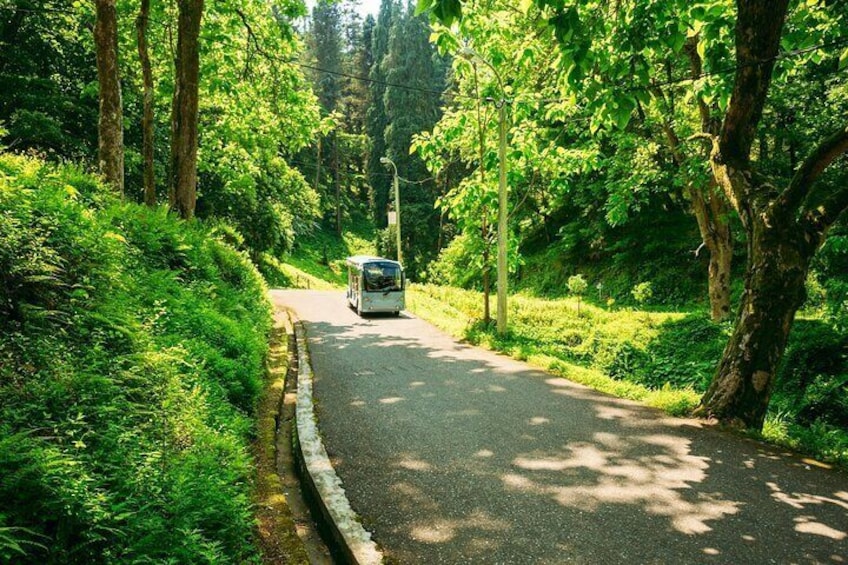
132, 348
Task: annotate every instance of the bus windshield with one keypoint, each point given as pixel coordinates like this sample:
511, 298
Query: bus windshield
383, 277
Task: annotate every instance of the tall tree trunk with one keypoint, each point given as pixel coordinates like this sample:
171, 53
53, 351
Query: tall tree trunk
711, 213
183, 194
110, 143
147, 118
338, 185
318, 167
778, 261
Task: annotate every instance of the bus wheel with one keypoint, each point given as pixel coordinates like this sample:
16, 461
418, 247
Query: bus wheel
397, 313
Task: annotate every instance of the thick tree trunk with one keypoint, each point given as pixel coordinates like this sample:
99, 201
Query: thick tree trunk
185, 111
711, 213
110, 154
778, 262
147, 118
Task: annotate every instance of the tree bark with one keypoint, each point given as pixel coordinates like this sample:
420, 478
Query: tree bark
778, 261
184, 127
110, 143
711, 213
141, 24
318, 167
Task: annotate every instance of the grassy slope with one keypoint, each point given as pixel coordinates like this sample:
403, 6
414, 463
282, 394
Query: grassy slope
131, 359
664, 359
318, 261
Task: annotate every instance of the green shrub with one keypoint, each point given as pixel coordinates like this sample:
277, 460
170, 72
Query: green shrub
131, 356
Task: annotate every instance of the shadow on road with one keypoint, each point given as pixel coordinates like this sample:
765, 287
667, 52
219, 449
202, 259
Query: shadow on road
451, 455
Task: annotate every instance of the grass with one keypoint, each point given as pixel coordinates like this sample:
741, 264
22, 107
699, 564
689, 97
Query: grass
318, 261
550, 335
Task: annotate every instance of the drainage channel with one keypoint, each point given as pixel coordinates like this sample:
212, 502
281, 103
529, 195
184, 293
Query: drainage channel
307, 530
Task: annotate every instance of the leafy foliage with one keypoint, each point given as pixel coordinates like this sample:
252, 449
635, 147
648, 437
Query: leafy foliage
131, 354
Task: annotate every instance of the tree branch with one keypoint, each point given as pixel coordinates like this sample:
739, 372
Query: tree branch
813, 166
709, 124
759, 25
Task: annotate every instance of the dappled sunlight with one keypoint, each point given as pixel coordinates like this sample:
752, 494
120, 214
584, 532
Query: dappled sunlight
463, 413
391, 400
800, 501
454, 454
412, 464
443, 530
627, 472
809, 525
614, 412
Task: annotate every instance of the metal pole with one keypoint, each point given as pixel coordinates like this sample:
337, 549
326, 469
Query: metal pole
397, 215
502, 227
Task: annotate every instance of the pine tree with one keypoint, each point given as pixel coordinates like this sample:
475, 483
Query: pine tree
375, 120
411, 72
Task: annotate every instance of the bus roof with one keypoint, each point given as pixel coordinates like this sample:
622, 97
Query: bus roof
359, 260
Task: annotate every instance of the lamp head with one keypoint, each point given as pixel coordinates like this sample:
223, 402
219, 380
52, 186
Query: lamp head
385, 160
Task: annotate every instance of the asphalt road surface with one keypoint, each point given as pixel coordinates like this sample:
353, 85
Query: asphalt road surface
452, 454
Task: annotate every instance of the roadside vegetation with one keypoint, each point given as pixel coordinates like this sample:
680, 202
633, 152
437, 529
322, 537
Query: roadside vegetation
132, 349
664, 359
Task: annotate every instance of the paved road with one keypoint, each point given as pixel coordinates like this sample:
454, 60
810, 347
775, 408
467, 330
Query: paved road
451, 454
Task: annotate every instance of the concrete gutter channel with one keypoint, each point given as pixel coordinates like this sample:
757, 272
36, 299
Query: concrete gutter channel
340, 526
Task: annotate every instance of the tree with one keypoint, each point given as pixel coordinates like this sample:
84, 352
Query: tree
411, 102
110, 129
785, 220
47, 67
142, 23
785, 226
183, 181
604, 47
326, 49
375, 121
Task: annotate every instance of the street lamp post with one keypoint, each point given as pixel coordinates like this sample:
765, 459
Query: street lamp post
387, 161
469, 53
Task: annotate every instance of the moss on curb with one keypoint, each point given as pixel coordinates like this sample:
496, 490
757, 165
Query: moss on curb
276, 531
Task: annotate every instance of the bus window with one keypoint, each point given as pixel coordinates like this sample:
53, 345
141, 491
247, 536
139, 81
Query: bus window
385, 277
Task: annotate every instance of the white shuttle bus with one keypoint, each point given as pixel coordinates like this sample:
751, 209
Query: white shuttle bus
375, 284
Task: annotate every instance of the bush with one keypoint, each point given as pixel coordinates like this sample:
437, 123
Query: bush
131, 356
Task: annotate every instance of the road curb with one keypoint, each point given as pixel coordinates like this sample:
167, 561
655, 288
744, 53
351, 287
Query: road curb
330, 504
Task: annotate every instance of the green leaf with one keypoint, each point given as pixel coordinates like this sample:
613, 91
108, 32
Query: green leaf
843, 60
447, 11
423, 6
623, 111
